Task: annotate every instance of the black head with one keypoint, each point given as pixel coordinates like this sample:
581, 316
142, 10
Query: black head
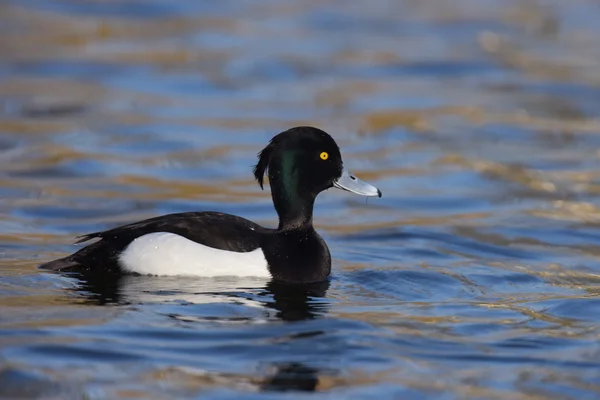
301, 163
303, 157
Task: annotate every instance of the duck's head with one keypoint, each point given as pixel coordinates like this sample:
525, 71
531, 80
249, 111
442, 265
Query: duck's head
301, 163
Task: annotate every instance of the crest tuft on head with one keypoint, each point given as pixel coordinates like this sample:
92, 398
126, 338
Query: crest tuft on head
264, 159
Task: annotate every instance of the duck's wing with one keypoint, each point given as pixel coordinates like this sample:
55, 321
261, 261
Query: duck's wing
217, 230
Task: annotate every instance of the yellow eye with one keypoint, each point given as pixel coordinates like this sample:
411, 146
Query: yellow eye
324, 155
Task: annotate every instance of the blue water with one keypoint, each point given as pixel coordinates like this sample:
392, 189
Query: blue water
476, 276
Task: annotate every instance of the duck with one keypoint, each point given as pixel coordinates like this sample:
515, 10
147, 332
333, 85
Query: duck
300, 162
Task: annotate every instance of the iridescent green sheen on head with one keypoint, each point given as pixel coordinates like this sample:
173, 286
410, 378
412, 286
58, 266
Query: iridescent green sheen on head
289, 174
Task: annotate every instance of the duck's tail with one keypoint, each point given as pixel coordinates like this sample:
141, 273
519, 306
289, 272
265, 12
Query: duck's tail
73, 262
62, 264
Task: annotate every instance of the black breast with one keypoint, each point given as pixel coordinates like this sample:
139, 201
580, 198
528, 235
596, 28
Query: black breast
298, 256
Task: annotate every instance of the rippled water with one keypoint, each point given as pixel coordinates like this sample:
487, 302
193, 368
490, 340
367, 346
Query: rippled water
477, 275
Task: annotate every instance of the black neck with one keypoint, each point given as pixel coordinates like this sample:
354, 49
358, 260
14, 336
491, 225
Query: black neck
293, 203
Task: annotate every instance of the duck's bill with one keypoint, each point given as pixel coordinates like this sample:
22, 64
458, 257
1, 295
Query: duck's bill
352, 184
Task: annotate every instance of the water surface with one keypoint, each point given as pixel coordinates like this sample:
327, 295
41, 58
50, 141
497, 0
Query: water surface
477, 275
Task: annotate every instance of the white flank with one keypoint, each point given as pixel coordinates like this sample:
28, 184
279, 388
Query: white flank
168, 254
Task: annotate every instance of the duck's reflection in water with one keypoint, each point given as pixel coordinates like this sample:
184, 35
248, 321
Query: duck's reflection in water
297, 302
280, 300
192, 301
292, 377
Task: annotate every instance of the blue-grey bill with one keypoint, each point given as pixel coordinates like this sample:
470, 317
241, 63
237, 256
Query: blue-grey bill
352, 184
